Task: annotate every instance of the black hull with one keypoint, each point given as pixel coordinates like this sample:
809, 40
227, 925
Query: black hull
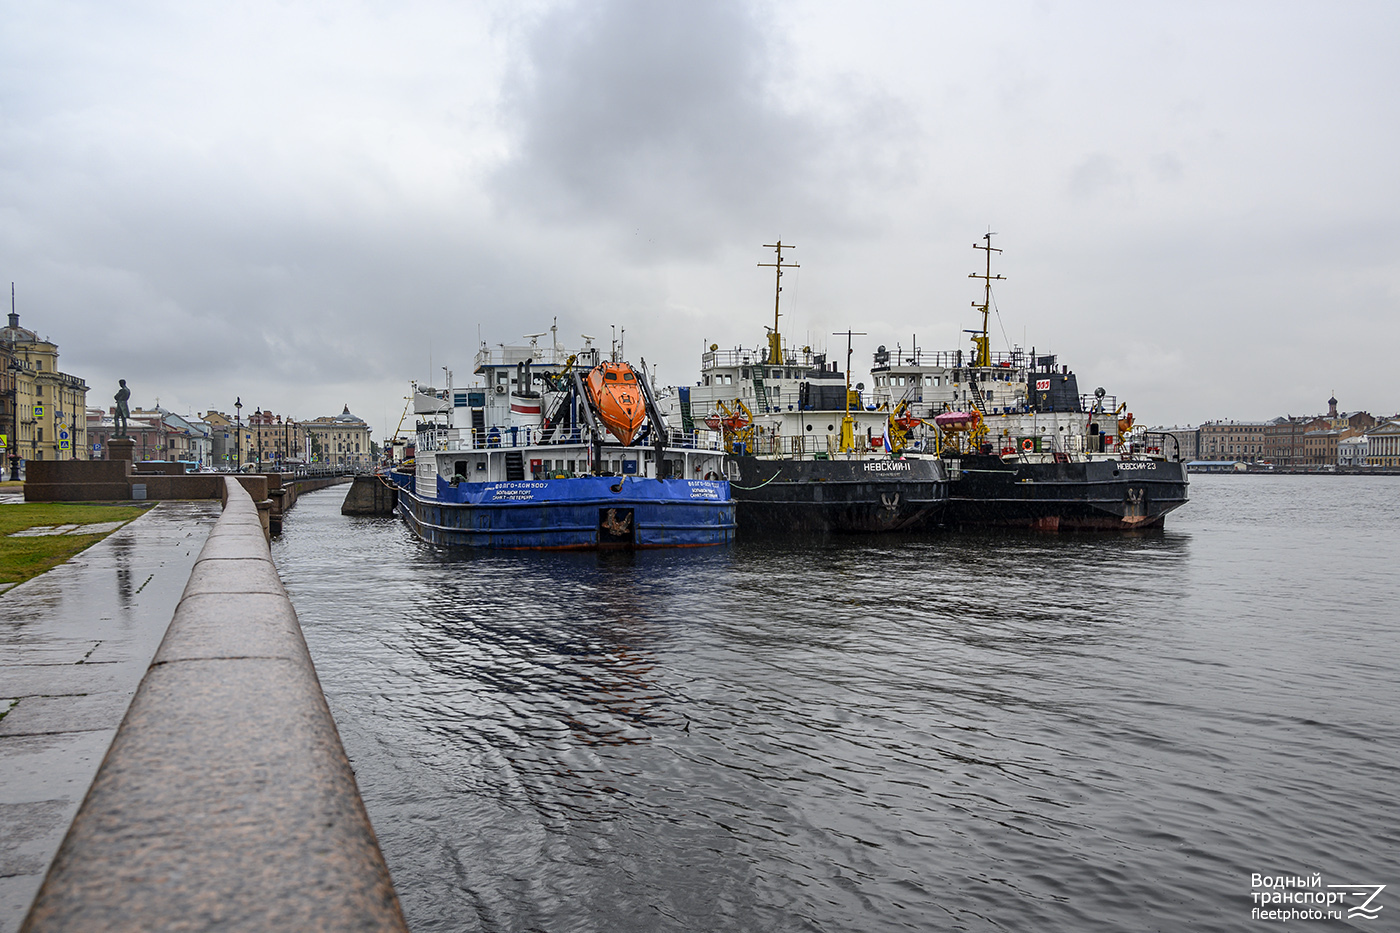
1095, 495
784, 497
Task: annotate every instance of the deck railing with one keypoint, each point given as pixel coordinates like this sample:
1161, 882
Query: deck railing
497, 438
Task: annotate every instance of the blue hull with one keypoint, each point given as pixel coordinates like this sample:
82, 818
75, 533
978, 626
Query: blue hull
579, 513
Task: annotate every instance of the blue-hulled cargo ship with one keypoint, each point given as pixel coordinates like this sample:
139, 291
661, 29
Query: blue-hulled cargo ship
559, 451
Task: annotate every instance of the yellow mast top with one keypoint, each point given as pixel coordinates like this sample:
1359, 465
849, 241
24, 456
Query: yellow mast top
775, 340
981, 342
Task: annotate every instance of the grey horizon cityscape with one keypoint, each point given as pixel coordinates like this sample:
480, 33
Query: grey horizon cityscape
1194, 202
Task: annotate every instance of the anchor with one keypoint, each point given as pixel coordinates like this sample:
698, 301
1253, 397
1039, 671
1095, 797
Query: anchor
614, 527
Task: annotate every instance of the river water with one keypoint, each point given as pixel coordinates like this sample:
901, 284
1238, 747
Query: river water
952, 732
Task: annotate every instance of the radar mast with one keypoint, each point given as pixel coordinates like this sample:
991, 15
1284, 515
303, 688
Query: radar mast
775, 340
981, 342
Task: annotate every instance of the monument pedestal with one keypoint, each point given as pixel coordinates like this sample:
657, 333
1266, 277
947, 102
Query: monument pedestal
120, 448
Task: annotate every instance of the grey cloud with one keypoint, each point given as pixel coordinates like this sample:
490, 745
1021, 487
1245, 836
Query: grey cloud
1167, 168
1096, 175
662, 119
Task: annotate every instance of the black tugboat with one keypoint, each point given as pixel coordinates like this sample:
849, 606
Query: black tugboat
805, 455
1022, 447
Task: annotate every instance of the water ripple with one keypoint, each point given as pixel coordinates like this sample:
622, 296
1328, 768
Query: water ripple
969, 732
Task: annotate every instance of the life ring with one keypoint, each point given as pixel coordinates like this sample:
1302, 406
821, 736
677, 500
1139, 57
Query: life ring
711, 475
1027, 445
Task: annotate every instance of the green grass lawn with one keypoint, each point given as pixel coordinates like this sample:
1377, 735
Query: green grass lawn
22, 558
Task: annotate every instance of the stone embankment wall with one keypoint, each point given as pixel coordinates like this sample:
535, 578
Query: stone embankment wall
226, 801
121, 480
116, 480
370, 495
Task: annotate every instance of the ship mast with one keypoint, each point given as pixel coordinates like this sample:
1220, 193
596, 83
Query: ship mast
981, 342
775, 340
848, 424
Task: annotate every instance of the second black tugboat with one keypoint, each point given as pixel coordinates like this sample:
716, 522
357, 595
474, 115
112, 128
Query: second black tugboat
1022, 447
805, 454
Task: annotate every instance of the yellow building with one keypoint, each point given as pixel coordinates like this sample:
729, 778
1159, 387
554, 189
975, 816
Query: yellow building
342, 441
1384, 447
46, 410
231, 440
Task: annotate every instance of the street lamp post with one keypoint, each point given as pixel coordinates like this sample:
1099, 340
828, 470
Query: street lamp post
258, 415
238, 434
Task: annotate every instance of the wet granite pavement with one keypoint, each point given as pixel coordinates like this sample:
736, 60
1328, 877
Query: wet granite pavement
74, 645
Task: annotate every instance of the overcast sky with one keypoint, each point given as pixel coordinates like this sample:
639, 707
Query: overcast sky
308, 205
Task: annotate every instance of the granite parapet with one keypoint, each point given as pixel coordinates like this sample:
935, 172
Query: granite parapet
226, 801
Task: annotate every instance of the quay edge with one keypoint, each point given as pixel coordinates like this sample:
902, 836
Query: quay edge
226, 801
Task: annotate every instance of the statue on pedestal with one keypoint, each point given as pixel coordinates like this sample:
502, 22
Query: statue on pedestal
123, 413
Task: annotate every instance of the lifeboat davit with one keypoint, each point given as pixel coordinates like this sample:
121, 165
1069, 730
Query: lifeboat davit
617, 397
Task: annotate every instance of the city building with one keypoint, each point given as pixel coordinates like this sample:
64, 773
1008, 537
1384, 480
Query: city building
157, 435
9, 408
341, 441
276, 440
1352, 451
198, 432
1323, 436
1341, 420
226, 451
1320, 448
1383, 445
45, 412
1283, 441
1242, 441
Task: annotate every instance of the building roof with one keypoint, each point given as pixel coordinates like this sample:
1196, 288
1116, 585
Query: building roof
13, 333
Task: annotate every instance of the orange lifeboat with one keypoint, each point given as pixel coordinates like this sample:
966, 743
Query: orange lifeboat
617, 397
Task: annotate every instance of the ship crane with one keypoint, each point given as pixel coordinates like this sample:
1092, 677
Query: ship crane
397, 440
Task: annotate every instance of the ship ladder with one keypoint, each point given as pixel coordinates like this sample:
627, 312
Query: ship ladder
760, 392
976, 395
515, 466
687, 418
553, 416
